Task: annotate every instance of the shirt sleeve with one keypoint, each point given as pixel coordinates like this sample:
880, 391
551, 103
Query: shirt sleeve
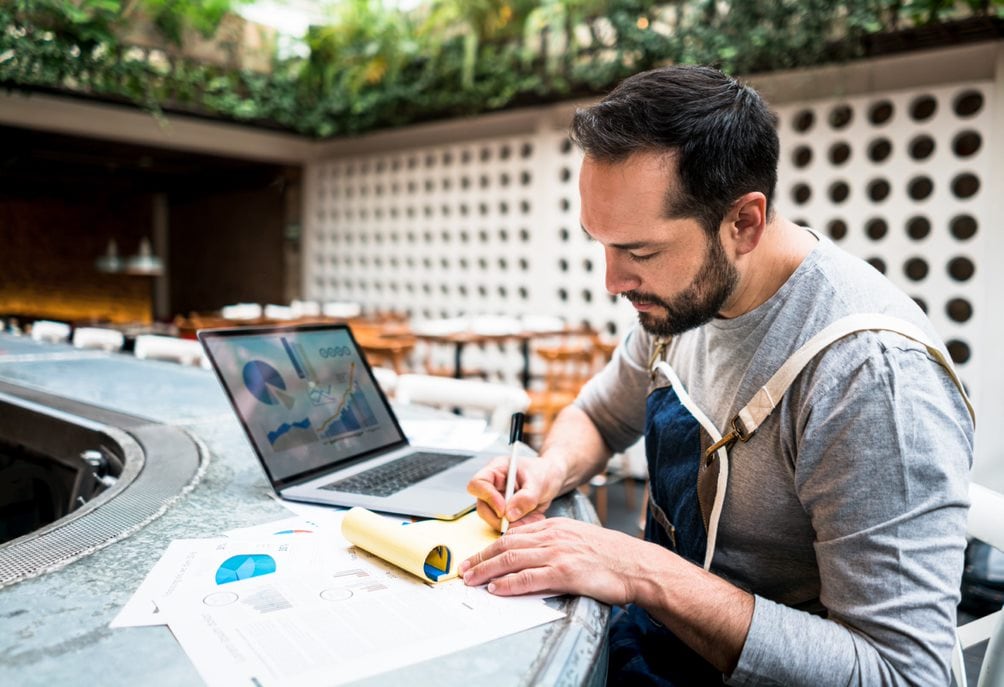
615, 398
881, 459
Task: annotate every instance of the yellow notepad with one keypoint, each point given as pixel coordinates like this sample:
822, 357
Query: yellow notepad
431, 549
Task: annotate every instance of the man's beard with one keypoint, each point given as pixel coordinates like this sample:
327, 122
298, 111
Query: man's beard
698, 304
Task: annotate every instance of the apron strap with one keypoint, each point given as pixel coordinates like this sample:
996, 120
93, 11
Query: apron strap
746, 422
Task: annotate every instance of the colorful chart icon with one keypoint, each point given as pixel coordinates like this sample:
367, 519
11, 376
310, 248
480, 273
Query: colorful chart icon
266, 384
245, 567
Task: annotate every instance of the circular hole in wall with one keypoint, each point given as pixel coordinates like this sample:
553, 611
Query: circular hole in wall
803, 121
879, 149
839, 153
878, 190
801, 156
837, 229
880, 112
876, 228
963, 227
959, 351
966, 143
800, 193
961, 268
915, 269
839, 191
878, 263
921, 147
920, 188
965, 185
841, 116
959, 309
918, 228
968, 103
923, 108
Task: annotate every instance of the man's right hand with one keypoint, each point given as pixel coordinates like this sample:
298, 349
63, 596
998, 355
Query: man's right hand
538, 482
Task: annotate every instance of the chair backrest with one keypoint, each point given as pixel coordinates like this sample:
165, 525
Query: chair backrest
341, 309
279, 312
98, 337
565, 362
305, 308
496, 401
50, 332
184, 351
241, 311
986, 513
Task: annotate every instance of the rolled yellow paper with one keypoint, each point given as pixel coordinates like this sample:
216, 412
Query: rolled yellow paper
431, 550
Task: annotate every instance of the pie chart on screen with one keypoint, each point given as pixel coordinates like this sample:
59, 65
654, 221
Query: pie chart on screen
266, 384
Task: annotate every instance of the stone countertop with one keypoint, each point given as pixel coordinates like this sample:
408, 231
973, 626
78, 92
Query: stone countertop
54, 627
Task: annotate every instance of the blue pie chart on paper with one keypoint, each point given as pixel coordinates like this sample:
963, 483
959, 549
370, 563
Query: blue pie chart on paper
244, 567
265, 383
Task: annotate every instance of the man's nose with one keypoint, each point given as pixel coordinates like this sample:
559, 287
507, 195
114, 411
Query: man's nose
619, 276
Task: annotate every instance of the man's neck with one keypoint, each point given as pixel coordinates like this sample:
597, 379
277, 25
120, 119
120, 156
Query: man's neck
781, 250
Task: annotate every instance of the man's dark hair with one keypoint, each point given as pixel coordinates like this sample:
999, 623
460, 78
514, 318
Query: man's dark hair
722, 133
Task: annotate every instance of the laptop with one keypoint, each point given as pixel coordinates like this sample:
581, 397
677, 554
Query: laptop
323, 429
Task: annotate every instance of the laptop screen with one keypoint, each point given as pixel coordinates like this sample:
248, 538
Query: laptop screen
305, 395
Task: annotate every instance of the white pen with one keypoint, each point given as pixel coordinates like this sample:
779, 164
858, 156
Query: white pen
515, 437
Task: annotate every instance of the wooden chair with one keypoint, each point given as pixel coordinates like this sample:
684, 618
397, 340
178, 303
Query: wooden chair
568, 365
382, 350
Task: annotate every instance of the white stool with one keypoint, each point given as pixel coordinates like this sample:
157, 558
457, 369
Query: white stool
50, 332
98, 337
184, 351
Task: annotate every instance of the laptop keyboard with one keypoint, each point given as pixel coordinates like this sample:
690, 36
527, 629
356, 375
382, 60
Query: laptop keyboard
396, 475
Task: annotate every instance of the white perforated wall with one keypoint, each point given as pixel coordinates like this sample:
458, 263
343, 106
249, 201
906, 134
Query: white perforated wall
901, 179
480, 228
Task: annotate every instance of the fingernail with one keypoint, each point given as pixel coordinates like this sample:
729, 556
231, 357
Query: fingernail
491, 587
467, 577
464, 565
514, 514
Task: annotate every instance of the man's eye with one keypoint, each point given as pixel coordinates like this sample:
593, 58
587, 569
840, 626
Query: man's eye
635, 257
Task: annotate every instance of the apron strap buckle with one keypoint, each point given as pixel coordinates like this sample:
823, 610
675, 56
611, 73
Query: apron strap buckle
738, 433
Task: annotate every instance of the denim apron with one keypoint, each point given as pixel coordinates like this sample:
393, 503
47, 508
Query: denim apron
688, 464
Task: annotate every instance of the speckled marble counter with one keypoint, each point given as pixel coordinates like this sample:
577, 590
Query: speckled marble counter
54, 627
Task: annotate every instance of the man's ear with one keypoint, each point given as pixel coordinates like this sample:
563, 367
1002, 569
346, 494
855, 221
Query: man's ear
747, 221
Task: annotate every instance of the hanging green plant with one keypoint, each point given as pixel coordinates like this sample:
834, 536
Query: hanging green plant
372, 66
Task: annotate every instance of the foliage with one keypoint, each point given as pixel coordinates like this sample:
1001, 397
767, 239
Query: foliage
373, 67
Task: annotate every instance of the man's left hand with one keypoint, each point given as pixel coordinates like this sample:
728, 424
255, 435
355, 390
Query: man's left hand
559, 556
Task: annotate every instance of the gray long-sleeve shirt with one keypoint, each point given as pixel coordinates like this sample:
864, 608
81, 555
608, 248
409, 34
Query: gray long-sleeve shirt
845, 514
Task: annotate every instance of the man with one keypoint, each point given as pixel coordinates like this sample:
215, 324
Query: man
825, 546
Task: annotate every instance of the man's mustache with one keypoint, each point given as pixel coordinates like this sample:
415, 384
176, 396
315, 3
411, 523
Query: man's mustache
643, 298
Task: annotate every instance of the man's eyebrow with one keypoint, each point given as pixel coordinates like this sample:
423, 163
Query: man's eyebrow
634, 245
